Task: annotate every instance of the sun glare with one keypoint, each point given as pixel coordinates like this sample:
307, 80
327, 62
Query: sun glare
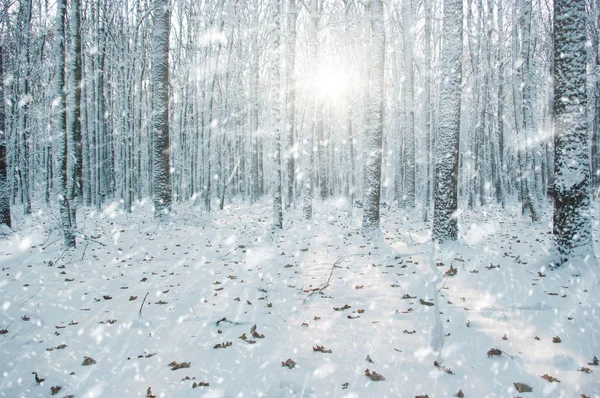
331, 83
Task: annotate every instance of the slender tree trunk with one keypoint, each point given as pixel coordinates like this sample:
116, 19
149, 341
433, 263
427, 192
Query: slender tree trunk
75, 187
25, 109
4, 186
290, 151
63, 198
277, 108
160, 107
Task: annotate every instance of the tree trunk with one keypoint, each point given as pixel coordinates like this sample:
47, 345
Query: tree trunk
445, 220
160, 107
63, 198
277, 107
374, 126
572, 229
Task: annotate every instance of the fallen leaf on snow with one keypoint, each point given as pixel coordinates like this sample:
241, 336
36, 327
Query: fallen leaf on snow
176, 365
289, 363
427, 303
522, 387
374, 375
493, 351
255, 334
201, 384
320, 348
551, 379
87, 361
345, 307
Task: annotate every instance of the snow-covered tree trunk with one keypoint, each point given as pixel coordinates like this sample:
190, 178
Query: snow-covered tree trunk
499, 183
572, 229
409, 112
4, 186
596, 133
277, 108
63, 198
308, 139
427, 109
75, 187
528, 125
24, 106
290, 151
160, 107
374, 125
445, 222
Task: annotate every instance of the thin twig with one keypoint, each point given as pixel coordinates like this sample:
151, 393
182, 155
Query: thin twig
194, 311
84, 250
327, 283
32, 296
16, 334
141, 306
238, 247
444, 284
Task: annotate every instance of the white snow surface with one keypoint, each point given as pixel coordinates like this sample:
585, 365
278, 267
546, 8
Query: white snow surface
198, 269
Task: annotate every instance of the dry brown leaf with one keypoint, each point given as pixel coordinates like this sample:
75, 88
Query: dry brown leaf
345, 307
522, 387
556, 339
442, 368
427, 303
460, 394
289, 363
594, 362
149, 393
493, 351
551, 379
255, 334
55, 389
368, 359
201, 384
320, 348
176, 365
374, 375
247, 340
87, 361
223, 345
585, 370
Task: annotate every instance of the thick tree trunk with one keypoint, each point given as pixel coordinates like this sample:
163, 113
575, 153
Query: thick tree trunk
445, 220
373, 137
572, 229
409, 113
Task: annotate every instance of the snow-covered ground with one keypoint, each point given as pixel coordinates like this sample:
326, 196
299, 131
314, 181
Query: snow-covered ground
321, 294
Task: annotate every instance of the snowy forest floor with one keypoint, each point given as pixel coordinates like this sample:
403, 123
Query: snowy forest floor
383, 303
